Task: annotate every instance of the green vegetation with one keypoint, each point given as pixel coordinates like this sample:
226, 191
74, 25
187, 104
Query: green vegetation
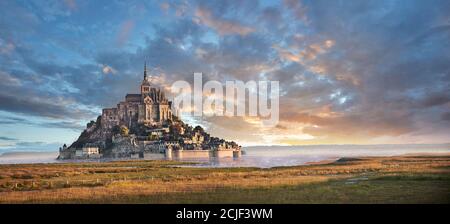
412, 179
335, 191
152, 137
124, 131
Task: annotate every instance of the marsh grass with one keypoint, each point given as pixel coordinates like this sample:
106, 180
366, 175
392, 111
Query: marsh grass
411, 179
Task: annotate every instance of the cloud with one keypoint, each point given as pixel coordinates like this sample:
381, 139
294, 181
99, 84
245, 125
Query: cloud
53, 123
335, 80
304, 54
222, 26
6, 47
9, 79
446, 116
13, 120
36, 106
7, 138
71, 4
435, 99
124, 32
26, 144
164, 6
108, 70
379, 90
63, 124
297, 8
344, 77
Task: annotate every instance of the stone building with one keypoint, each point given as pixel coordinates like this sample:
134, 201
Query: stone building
140, 125
150, 107
87, 152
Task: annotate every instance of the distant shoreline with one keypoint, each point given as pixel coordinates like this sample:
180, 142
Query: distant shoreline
16, 153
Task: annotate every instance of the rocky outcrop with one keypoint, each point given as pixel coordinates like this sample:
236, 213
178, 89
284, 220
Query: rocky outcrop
94, 134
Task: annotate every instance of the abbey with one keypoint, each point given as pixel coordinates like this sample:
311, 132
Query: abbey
150, 108
141, 125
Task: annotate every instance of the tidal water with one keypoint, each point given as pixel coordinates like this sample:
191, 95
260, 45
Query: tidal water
265, 156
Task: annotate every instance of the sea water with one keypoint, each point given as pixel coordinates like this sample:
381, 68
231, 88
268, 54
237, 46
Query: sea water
264, 156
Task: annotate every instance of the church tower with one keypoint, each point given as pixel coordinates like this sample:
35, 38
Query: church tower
145, 86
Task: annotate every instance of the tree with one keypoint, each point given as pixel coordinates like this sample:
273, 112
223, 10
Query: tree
152, 137
124, 131
90, 124
199, 129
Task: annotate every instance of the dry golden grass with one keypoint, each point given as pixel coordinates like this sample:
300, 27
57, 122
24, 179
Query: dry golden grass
151, 181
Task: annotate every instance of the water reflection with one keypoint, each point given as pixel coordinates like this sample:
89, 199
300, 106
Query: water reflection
263, 157
273, 156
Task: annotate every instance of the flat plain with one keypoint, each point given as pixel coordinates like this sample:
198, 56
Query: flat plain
398, 179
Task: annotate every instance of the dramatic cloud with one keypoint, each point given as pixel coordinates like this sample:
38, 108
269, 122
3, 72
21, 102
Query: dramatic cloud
349, 71
124, 33
108, 70
40, 106
7, 138
6, 47
222, 26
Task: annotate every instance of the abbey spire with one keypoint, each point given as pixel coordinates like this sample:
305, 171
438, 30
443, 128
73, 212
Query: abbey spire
145, 70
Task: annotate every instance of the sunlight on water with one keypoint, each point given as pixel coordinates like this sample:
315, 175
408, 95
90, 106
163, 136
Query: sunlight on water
268, 156
271, 156
28, 157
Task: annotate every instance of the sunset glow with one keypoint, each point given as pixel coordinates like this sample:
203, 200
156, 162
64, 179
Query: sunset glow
350, 72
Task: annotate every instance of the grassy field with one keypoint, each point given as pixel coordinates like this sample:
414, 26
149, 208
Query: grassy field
407, 179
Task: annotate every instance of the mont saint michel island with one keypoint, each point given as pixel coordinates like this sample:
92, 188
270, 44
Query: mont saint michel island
224, 102
142, 125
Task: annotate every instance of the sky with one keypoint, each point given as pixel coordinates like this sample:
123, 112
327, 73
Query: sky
350, 72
